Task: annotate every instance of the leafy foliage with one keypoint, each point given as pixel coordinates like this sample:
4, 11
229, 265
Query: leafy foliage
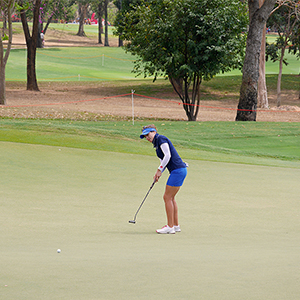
295, 42
5, 37
22, 6
273, 51
185, 40
285, 21
182, 37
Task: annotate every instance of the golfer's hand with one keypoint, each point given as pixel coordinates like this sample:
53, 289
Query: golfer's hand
157, 175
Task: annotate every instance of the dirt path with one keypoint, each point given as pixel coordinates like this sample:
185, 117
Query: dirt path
56, 38
94, 101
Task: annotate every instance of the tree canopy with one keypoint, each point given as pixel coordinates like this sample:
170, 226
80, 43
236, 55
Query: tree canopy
185, 40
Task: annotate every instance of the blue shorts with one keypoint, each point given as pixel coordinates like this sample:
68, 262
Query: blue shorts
177, 177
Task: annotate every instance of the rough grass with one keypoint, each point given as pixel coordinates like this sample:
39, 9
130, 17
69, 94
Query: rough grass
255, 143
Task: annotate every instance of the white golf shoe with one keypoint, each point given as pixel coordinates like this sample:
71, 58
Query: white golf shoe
177, 228
166, 229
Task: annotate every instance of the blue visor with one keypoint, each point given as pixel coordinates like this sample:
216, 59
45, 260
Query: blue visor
146, 131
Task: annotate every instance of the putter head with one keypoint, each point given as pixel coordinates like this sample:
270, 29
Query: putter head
132, 222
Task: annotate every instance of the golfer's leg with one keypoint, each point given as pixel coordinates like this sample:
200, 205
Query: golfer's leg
169, 196
175, 213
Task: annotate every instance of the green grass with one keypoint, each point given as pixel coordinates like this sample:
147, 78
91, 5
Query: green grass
73, 64
293, 66
261, 143
240, 225
90, 30
65, 64
97, 63
229, 86
232, 84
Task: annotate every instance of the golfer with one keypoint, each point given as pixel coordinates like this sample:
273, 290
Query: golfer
169, 159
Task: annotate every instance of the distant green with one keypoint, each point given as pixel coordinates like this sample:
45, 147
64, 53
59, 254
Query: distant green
73, 63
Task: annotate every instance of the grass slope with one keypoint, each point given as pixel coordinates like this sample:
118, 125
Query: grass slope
254, 143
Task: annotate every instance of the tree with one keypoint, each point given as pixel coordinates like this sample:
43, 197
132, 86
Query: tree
100, 9
124, 7
248, 93
4, 17
262, 96
101, 6
5, 6
97, 6
31, 40
118, 4
285, 20
186, 40
295, 48
82, 8
106, 43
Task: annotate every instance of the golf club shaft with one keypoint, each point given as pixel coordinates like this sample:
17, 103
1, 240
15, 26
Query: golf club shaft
144, 200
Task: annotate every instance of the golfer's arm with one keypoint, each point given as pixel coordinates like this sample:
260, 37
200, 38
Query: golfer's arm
167, 155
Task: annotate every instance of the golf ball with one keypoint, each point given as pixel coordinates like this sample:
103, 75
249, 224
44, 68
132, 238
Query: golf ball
58, 250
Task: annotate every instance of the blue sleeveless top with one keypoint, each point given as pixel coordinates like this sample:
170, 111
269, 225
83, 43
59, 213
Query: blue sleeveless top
175, 160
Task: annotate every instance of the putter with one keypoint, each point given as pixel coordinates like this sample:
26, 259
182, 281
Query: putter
133, 221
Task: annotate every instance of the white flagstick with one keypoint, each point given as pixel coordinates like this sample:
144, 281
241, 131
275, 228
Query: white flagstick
132, 92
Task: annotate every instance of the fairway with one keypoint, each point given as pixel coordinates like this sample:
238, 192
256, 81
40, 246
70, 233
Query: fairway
97, 64
73, 64
240, 224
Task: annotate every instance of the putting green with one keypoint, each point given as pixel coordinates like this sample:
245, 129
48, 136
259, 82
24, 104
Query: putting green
240, 234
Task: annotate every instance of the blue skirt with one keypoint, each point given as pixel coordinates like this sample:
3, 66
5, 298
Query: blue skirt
177, 177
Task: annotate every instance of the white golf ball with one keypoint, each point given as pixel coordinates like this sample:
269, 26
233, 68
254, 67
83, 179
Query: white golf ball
58, 250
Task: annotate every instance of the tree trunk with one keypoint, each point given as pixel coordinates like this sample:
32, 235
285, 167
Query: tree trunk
82, 13
31, 73
248, 93
48, 23
262, 86
39, 43
120, 40
2, 84
106, 24
31, 42
4, 25
191, 104
279, 77
4, 58
2, 75
100, 27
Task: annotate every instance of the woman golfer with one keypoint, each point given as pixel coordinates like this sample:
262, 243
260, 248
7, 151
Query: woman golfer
169, 159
